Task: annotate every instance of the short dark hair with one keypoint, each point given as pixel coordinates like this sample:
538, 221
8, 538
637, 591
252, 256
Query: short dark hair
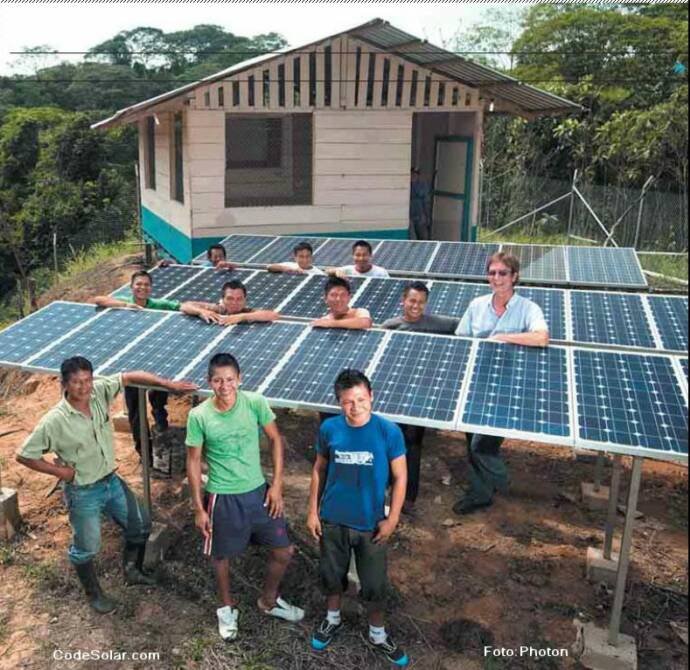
349, 378
72, 365
233, 285
222, 360
416, 286
140, 273
302, 246
220, 248
362, 243
336, 282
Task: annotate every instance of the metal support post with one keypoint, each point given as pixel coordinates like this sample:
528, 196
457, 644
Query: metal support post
638, 226
626, 545
144, 441
571, 211
598, 471
613, 506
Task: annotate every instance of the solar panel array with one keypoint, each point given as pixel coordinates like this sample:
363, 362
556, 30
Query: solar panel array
614, 401
576, 266
592, 317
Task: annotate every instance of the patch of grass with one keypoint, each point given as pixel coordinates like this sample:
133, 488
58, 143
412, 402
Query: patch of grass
671, 266
6, 554
4, 625
45, 575
196, 648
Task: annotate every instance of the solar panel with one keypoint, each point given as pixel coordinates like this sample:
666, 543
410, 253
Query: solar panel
552, 303
462, 259
671, 317
405, 256
280, 250
100, 339
519, 389
240, 248
382, 298
207, 285
610, 318
684, 368
308, 375
604, 266
167, 279
337, 251
539, 263
257, 346
308, 302
420, 376
630, 400
267, 290
452, 299
24, 338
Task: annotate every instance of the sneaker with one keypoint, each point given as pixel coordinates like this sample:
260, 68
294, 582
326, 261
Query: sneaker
391, 651
227, 622
467, 505
284, 610
324, 634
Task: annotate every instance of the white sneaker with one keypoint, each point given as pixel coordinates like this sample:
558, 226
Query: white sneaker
227, 622
284, 610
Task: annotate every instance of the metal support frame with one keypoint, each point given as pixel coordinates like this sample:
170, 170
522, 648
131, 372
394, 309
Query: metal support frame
144, 442
571, 210
626, 545
638, 225
598, 471
613, 506
609, 235
534, 212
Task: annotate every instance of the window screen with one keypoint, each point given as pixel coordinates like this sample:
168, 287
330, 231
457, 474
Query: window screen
150, 154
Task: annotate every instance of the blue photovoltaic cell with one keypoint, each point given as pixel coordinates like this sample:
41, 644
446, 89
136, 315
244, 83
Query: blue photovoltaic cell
309, 374
337, 251
671, 316
38, 330
420, 376
280, 250
382, 298
240, 248
462, 259
309, 303
630, 400
266, 290
552, 303
519, 388
604, 266
102, 338
405, 256
207, 285
257, 346
167, 279
168, 349
684, 367
453, 299
122, 292
539, 263
610, 318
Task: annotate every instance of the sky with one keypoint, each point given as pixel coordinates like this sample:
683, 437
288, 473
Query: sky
68, 26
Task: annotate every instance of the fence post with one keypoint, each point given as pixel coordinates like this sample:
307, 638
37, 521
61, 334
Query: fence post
55, 254
20, 297
572, 204
638, 227
31, 286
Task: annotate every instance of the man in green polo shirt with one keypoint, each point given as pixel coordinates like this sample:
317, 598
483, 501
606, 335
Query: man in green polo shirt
239, 505
141, 286
79, 432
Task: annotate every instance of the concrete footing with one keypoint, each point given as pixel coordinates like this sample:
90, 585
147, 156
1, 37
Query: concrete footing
600, 569
10, 518
593, 499
593, 650
160, 541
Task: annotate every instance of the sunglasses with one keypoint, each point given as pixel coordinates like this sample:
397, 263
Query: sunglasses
500, 273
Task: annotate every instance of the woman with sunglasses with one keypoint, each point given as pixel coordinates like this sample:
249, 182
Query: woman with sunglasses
502, 316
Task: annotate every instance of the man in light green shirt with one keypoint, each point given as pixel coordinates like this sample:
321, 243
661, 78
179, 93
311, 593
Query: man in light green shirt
79, 432
239, 506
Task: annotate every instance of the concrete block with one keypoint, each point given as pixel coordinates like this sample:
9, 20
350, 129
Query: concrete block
593, 650
585, 456
160, 540
600, 569
593, 499
121, 423
10, 518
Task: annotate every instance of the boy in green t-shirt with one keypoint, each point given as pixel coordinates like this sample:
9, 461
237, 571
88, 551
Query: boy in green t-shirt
239, 506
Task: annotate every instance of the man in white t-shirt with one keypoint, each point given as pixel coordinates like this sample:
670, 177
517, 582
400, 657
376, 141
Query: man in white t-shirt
303, 253
362, 265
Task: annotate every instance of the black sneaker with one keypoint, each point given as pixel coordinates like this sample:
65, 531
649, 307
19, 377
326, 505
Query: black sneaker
324, 634
467, 505
391, 651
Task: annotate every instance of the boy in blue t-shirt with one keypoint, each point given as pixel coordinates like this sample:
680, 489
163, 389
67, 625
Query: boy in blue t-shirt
358, 453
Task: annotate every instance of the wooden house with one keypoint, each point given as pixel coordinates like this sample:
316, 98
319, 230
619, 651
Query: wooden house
320, 140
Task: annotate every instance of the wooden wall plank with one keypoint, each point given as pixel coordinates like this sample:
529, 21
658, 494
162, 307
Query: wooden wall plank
378, 81
320, 76
304, 80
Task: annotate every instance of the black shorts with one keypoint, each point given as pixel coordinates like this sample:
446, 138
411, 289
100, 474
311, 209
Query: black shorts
337, 543
238, 519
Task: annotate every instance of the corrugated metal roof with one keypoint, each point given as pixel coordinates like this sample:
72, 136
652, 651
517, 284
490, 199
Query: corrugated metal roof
384, 36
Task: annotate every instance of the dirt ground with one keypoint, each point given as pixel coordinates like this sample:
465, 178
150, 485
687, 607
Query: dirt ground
506, 577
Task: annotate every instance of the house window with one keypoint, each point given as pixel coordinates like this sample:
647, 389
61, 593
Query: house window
150, 154
268, 160
177, 180
221, 97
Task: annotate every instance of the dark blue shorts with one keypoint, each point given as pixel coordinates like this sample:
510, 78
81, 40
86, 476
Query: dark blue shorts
238, 519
